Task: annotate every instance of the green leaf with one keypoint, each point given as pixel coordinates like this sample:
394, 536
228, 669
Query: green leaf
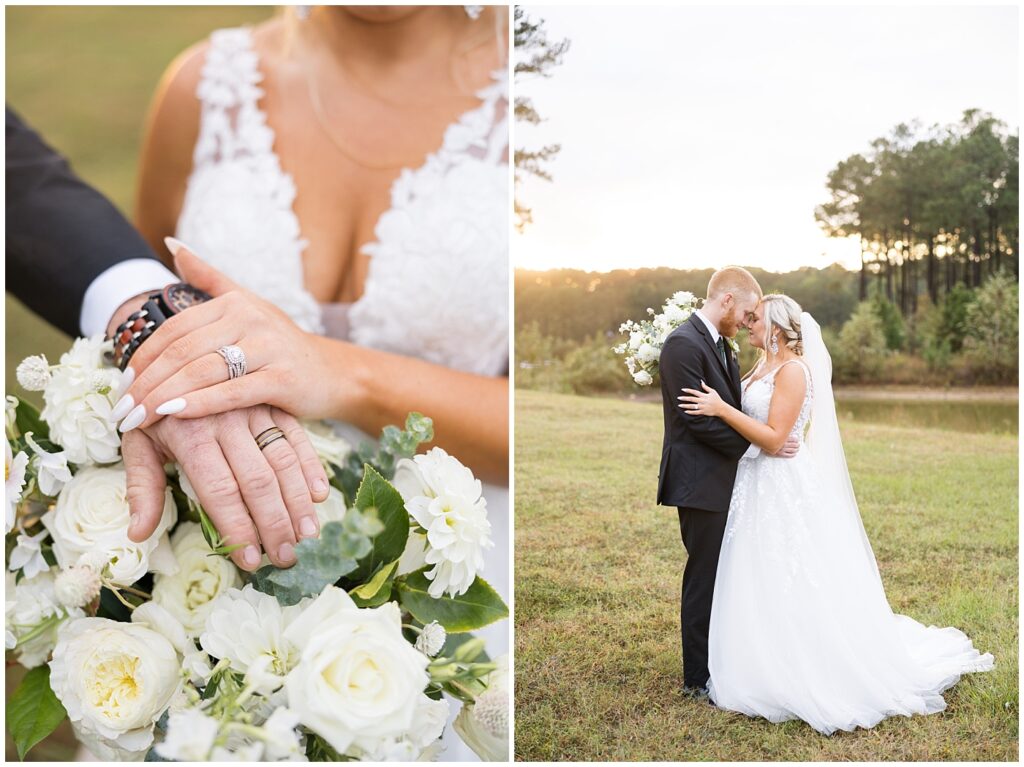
478, 607
27, 419
33, 711
377, 590
320, 561
400, 443
377, 493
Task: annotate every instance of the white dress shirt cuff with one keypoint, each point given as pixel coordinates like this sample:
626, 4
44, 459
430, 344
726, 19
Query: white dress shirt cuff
752, 452
115, 286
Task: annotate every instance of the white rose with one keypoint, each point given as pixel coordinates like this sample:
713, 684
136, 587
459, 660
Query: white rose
89, 525
450, 507
647, 353
77, 413
674, 314
33, 603
359, 684
332, 509
483, 724
247, 628
422, 738
643, 378
331, 448
682, 298
115, 680
189, 593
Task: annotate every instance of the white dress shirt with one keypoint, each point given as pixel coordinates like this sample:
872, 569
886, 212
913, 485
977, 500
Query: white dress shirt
115, 286
753, 450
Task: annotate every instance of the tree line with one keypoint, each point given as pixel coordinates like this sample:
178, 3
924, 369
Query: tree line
933, 207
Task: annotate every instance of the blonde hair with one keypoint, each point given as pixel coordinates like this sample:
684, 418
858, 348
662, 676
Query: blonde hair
732, 279
783, 312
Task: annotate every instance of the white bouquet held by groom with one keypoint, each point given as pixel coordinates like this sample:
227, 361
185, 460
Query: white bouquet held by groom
165, 650
642, 350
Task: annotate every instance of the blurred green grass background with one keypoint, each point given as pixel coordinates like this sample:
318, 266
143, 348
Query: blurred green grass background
83, 77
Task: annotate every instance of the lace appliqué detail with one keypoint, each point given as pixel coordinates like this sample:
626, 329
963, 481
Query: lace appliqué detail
238, 208
766, 488
437, 286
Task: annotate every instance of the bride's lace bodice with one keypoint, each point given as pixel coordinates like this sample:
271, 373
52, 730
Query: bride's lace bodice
757, 399
437, 286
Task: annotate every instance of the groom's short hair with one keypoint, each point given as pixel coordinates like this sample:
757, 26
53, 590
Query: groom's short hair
732, 279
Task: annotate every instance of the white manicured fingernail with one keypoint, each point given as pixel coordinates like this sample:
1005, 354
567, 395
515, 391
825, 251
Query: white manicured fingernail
126, 403
134, 418
174, 245
172, 406
126, 379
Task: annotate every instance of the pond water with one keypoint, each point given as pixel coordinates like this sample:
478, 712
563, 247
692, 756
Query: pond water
961, 414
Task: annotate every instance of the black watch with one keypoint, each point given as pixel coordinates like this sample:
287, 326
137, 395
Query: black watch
159, 307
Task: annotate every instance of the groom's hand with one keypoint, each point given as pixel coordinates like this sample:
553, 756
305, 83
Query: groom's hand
790, 449
245, 499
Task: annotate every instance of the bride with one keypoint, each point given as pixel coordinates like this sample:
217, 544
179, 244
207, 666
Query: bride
348, 167
800, 624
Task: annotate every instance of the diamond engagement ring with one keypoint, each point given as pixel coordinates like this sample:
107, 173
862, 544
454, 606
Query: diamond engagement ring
235, 359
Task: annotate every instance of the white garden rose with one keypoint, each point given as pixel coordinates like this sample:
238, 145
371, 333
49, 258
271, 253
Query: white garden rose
115, 680
484, 724
78, 399
647, 353
89, 525
359, 684
32, 604
682, 298
332, 448
446, 501
332, 509
420, 743
189, 593
643, 378
248, 629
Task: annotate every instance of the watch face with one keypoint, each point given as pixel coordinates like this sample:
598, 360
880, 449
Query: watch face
180, 296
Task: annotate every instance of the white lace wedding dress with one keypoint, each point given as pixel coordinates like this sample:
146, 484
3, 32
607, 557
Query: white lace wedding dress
800, 625
437, 286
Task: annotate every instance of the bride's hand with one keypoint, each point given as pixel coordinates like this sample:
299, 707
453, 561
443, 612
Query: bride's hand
707, 402
179, 371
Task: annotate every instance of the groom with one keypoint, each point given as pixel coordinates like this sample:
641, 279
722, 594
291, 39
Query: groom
700, 453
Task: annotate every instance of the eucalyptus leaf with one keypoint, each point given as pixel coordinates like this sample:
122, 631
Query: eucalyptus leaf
478, 607
33, 711
320, 561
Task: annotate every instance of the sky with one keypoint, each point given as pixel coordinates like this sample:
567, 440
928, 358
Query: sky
697, 137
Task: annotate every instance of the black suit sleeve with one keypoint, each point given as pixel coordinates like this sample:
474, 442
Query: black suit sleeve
681, 366
61, 233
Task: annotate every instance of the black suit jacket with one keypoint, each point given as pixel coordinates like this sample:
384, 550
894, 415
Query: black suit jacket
61, 233
699, 454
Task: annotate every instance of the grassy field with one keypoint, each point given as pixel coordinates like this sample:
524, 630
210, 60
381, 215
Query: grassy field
84, 78
598, 566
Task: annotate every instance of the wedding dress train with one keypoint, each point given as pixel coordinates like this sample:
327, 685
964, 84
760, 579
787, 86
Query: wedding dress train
800, 624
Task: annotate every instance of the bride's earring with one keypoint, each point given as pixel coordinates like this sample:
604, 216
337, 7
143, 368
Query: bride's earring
473, 11
774, 345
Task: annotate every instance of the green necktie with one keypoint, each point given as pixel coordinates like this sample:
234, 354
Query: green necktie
721, 350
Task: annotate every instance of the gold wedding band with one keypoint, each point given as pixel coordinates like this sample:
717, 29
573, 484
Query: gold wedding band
267, 436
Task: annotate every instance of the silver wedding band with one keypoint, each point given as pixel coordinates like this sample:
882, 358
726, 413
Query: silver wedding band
267, 436
235, 359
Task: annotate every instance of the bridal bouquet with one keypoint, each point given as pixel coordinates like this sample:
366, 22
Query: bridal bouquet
164, 650
643, 348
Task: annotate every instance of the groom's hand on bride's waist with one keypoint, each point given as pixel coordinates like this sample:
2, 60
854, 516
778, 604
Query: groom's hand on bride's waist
252, 495
789, 449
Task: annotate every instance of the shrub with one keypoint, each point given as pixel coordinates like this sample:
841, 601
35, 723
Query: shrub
862, 346
990, 341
